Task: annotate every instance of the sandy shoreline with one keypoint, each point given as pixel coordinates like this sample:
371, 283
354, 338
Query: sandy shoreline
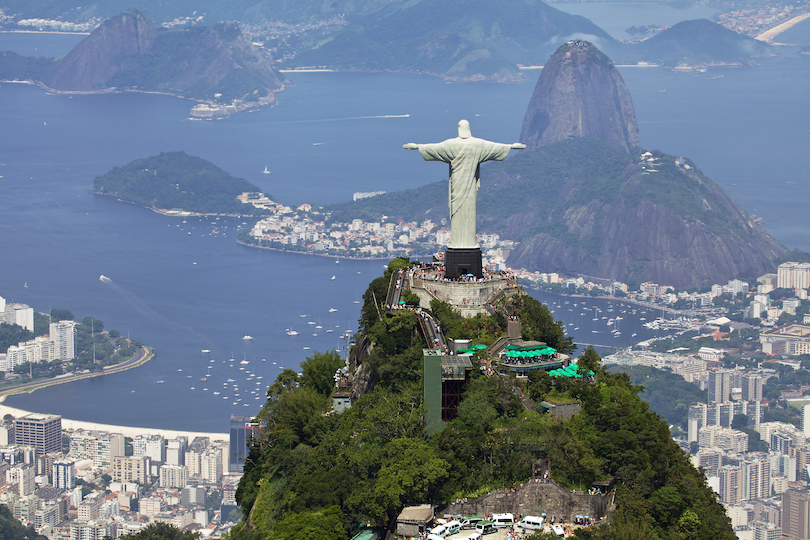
768, 35
127, 431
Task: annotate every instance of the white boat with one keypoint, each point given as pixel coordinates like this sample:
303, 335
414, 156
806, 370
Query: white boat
247, 338
333, 277
161, 381
265, 171
332, 310
291, 332
206, 350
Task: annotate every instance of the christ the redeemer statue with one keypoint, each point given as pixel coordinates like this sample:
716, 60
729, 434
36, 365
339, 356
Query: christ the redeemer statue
464, 154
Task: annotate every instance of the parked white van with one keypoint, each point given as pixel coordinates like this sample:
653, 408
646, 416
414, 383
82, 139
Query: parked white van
531, 523
443, 531
558, 530
503, 520
475, 536
485, 527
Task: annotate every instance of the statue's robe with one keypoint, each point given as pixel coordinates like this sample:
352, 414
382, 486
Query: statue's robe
464, 157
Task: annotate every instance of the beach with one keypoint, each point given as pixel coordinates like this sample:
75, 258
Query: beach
127, 431
768, 35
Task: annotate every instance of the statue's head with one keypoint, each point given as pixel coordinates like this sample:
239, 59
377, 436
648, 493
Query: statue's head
464, 130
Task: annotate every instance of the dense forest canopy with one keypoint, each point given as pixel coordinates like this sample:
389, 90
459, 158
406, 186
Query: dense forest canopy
175, 180
331, 473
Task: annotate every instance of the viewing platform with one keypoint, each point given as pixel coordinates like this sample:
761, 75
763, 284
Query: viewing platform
470, 295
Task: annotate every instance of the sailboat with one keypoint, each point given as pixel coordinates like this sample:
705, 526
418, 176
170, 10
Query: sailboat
265, 171
291, 332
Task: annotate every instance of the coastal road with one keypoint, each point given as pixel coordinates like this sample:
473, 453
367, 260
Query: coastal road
141, 356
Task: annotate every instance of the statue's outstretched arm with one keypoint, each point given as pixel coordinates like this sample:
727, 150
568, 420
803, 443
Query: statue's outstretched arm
518, 146
414, 146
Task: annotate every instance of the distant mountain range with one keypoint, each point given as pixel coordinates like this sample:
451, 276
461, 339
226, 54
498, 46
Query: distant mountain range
470, 40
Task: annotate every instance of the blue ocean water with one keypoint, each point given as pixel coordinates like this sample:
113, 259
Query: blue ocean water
616, 17
182, 288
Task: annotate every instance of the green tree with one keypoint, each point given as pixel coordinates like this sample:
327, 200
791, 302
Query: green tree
323, 524
318, 371
162, 531
58, 314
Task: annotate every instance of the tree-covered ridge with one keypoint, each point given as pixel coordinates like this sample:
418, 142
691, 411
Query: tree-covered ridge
175, 180
701, 41
14, 67
312, 474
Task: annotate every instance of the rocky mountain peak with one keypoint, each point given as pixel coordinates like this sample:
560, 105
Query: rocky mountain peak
100, 55
580, 93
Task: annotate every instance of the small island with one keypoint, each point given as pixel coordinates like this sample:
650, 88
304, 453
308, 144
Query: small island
175, 183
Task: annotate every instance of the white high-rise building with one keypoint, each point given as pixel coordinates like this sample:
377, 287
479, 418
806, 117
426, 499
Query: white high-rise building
756, 479
23, 476
211, 464
131, 469
20, 314
730, 484
152, 446
99, 446
64, 474
173, 476
176, 451
793, 275
806, 419
63, 335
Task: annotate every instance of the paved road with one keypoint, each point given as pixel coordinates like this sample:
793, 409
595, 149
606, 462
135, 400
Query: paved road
140, 357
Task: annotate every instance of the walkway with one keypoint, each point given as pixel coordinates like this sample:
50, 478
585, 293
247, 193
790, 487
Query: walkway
142, 356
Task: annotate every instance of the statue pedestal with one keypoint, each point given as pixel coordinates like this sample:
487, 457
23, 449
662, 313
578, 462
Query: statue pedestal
462, 261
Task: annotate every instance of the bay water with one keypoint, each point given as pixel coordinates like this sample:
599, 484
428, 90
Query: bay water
180, 287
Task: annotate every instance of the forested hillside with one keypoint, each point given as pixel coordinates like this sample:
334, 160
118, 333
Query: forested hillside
175, 180
311, 474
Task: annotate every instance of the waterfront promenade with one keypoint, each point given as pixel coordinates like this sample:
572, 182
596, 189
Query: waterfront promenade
143, 355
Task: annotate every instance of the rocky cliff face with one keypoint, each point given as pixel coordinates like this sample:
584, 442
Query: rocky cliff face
580, 93
650, 217
101, 54
216, 63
